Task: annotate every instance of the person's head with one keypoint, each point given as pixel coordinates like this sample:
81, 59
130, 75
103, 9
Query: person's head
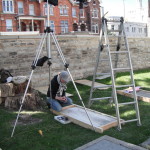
64, 77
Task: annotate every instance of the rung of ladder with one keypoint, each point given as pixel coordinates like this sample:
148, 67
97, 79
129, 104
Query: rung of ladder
104, 59
120, 86
102, 86
113, 20
102, 98
117, 69
118, 52
116, 35
132, 120
114, 30
128, 103
103, 74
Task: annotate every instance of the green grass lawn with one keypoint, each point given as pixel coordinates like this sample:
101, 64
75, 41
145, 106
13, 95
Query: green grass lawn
57, 136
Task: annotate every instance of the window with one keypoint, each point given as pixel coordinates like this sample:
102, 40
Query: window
31, 9
51, 11
145, 30
20, 7
94, 3
45, 9
95, 28
95, 13
127, 29
9, 26
64, 26
63, 10
8, 6
140, 30
133, 29
112, 27
81, 13
74, 12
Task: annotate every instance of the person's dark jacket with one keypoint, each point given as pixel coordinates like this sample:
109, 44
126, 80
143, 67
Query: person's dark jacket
54, 88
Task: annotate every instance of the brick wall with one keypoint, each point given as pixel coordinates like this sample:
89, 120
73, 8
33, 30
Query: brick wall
18, 52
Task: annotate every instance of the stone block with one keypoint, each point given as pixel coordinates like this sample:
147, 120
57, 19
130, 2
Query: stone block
20, 88
7, 90
2, 99
32, 101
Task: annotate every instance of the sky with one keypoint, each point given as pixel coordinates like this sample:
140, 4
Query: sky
116, 7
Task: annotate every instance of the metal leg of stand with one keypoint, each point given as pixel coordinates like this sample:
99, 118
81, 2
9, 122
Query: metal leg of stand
64, 61
34, 65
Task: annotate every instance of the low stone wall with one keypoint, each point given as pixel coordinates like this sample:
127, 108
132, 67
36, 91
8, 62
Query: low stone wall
18, 52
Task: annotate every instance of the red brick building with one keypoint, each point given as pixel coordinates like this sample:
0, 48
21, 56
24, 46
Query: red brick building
31, 15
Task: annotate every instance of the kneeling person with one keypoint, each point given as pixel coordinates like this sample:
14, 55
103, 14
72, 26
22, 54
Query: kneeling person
58, 94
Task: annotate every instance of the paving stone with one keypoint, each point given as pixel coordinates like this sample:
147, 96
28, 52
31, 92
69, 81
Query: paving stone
109, 143
146, 144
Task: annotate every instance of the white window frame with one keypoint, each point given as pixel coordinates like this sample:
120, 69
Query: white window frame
127, 29
20, 7
9, 25
74, 12
52, 24
112, 27
8, 6
64, 26
81, 13
63, 9
95, 28
95, 13
45, 9
51, 11
133, 29
31, 9
145, 30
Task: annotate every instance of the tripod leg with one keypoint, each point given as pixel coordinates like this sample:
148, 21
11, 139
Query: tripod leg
33, 67
66, 65
22, 103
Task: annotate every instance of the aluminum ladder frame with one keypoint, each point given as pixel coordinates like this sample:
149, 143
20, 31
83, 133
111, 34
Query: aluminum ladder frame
114, 69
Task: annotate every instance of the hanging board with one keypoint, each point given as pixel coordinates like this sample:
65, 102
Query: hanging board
141, 94
77, 115
89, 83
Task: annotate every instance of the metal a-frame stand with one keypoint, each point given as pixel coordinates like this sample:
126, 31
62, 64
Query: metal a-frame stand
47, 34
111, 54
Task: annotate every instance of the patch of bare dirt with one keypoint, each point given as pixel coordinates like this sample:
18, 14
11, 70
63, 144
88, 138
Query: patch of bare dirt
25, 119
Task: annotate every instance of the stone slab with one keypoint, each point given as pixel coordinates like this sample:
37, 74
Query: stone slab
89, 83
109, 143
44, 90
146, 144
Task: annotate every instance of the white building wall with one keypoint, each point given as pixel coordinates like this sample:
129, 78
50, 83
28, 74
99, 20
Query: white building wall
132, 29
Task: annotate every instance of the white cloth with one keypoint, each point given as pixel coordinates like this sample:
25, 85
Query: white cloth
9, 79
62, 87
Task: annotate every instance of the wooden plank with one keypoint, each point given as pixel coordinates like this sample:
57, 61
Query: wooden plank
89, 83
44, 90
77, 115
141, 94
